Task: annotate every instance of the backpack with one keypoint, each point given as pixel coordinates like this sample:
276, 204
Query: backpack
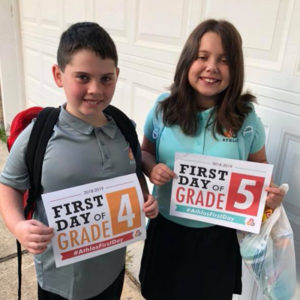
41, 132
18, 124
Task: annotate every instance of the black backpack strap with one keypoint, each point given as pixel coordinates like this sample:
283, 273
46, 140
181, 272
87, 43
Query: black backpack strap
19, 253
37, 144
36, 147
128, 130
125, 125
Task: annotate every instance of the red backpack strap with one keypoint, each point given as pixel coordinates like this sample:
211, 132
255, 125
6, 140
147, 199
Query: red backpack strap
19, 123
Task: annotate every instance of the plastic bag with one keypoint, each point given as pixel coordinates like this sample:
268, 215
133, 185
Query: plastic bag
270, 256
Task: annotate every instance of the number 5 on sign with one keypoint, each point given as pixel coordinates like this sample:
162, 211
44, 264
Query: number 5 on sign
244, 193
125, 210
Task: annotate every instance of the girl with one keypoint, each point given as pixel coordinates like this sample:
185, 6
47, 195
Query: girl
205, 113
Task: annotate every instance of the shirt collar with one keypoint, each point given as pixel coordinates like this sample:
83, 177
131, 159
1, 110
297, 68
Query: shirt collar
205, 114
85, 128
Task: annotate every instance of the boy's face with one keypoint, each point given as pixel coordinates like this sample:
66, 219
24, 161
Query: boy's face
89, 83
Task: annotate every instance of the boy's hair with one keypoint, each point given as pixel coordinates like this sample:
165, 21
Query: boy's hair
231, 109
85, 35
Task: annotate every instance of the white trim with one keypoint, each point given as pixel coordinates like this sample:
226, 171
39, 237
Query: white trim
11, 63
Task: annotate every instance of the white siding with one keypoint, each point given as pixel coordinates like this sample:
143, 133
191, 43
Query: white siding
149, 36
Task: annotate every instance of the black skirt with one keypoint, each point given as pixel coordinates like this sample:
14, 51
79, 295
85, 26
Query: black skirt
183, 263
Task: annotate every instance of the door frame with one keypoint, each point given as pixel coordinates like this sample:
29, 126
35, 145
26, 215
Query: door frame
11, 62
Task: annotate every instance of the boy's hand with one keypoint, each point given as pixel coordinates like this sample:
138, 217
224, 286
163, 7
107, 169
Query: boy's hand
161, 174
150, 206
275, 195
33, 235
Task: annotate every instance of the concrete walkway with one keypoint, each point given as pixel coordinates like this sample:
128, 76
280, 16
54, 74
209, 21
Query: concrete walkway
8, 264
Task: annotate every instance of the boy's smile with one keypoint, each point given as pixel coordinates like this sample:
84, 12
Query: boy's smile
89, 83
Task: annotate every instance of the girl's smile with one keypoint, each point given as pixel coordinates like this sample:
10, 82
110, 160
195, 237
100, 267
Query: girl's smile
209, 73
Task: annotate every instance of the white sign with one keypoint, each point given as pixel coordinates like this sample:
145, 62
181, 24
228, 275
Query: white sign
96, 218
221, 191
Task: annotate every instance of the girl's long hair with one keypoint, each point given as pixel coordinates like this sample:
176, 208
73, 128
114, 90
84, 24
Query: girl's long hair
180, 107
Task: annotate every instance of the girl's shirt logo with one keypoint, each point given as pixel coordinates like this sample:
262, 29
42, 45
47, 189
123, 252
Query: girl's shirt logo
229, 136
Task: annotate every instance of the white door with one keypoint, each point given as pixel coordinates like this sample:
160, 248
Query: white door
149, 36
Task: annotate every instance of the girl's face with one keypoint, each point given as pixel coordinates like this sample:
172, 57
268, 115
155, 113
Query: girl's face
209, 73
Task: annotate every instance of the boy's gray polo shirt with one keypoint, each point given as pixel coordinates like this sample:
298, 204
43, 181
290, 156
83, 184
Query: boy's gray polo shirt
77, 153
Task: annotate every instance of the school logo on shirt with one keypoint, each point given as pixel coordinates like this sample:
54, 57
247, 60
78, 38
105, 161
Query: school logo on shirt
130, 155
229, 136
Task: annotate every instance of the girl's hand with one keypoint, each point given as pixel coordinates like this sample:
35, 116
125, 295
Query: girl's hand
275, 195
150, 206
33, 235
161, 174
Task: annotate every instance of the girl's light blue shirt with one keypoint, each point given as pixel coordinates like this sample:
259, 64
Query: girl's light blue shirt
171, 139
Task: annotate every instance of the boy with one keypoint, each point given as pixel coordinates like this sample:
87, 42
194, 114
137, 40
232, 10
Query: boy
86, 146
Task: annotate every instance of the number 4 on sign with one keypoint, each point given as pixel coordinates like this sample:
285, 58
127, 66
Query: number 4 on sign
125, 213
124, 209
